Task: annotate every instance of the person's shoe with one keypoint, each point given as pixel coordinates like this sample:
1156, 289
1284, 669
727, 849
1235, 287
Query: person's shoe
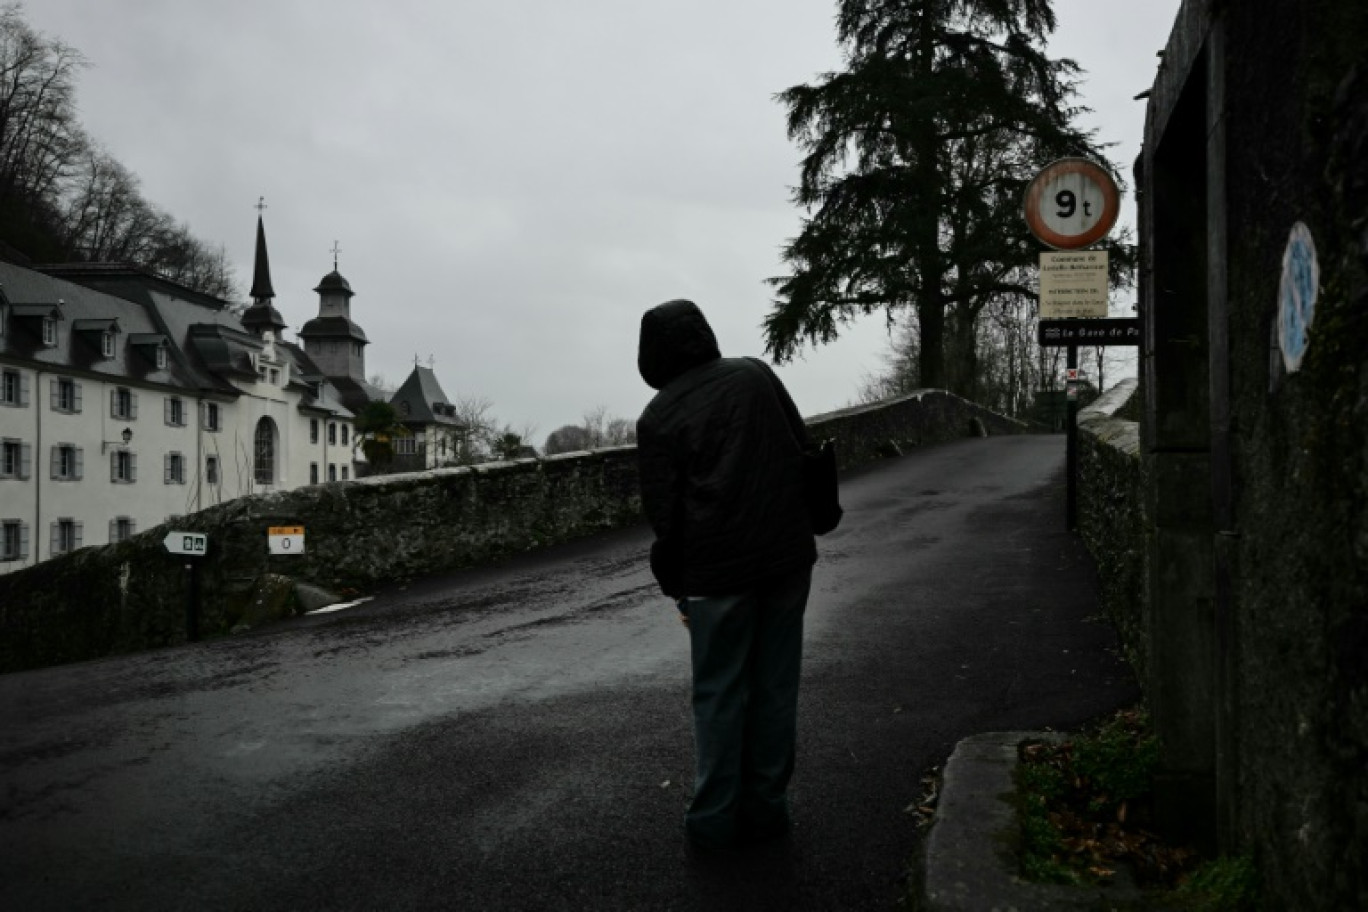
709, 844
769, 831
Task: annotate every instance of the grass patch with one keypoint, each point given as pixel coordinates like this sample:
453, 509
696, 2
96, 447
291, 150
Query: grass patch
1084, 806
1223, 885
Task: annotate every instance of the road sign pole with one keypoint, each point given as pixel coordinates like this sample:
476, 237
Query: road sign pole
192, 604
1071, 444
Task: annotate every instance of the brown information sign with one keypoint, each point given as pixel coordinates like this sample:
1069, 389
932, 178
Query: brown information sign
1122, 331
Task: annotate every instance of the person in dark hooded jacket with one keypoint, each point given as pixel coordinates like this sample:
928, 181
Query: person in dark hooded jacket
721, 452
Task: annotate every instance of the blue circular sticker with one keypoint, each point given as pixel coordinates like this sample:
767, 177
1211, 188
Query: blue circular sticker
1297, 295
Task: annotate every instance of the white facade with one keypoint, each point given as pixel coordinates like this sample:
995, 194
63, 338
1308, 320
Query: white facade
68, 477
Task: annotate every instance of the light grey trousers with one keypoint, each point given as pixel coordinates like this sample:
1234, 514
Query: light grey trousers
747, 658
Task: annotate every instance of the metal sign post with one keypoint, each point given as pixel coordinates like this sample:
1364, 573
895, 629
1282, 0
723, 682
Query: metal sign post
1069, 206
193, 545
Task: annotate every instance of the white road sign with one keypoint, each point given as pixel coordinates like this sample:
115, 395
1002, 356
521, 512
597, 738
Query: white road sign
1072, 203
186, 542
1073, 284
286, 539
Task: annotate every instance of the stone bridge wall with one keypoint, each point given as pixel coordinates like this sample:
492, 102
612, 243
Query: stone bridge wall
1111, 515
372, 531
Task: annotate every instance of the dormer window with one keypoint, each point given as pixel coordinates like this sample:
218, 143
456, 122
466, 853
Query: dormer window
151, 346
101, 334
41, 318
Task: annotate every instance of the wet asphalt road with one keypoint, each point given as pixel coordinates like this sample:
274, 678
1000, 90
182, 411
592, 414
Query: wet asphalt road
519, 737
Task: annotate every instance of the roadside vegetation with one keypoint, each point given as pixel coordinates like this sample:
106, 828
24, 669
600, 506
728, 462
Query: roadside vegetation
1084, 810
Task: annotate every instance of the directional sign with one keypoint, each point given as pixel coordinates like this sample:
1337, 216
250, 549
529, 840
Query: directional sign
186, 542
1071, 203
1124, 331
286, 539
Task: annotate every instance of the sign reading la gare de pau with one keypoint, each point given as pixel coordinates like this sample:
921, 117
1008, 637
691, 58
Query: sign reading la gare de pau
1070, 205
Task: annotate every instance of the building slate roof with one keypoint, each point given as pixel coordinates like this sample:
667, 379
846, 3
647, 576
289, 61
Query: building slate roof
333, 282
81, 351
335, 327
421, 400
207, 345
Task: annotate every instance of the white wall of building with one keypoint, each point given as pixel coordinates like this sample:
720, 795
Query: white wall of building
93, 497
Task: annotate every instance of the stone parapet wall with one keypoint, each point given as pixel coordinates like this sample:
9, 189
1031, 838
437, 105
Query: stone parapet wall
372, 531
1111, 515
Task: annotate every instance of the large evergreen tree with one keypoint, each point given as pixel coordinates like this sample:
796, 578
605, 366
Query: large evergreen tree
917, 156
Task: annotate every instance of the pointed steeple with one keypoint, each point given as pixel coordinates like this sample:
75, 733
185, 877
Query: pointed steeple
262, 317
261, 275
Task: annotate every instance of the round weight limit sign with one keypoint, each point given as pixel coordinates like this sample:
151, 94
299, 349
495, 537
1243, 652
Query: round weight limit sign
1072, 203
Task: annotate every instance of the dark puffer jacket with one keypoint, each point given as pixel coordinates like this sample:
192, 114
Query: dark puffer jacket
720, 448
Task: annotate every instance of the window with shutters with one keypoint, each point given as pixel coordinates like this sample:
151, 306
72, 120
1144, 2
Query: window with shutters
332, 433
121, 528
13, 540
68, 462
123, 467
13, 389
175, 411
123, 403
66, 396
66, 536
14, 459
174, 468
209, 416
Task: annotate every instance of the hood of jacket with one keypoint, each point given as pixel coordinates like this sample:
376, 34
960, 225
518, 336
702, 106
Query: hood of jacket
675, 338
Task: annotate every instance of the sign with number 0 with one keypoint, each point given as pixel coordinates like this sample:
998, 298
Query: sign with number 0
1072, 203
286, 539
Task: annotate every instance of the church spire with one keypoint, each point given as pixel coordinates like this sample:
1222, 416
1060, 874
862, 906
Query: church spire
262, 317
261, 275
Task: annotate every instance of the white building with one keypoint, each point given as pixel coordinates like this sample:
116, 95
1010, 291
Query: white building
127, 400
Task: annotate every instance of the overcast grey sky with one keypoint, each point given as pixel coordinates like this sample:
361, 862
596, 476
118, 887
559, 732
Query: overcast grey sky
511, 182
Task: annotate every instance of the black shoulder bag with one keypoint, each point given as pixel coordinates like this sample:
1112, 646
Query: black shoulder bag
820, 488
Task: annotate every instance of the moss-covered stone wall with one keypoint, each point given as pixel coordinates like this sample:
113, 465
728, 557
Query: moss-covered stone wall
1111, 515
1279, 138
1298, 141
364, 533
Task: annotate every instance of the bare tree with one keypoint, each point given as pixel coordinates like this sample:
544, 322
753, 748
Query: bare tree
64, 196
38, 131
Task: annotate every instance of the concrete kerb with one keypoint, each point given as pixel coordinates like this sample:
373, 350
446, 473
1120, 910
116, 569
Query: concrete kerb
971, 852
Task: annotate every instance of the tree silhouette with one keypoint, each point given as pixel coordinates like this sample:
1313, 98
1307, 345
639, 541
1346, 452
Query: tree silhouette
917, 155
